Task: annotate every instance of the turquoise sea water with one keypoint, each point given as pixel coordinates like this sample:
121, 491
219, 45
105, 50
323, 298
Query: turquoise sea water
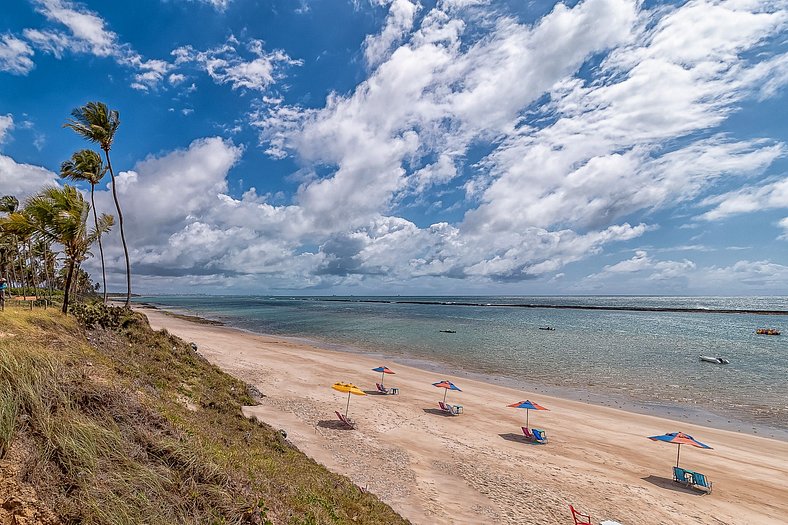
640, 360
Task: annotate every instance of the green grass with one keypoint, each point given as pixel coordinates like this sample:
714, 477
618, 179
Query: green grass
101, 422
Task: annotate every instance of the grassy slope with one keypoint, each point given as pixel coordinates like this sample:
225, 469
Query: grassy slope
132, 426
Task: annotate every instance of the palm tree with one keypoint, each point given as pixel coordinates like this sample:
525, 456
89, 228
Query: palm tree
96, 123
8, 205
86, 165
62, 213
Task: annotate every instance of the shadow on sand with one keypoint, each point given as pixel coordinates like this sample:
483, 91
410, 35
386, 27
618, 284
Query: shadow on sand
518, 438
437, 412
374, 393
668, 483
334, 424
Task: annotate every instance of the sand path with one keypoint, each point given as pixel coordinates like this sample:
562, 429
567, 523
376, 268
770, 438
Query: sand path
475, 468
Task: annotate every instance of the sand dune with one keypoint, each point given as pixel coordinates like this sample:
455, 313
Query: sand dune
475, 468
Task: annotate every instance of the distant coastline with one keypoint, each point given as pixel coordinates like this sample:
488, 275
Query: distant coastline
568, 306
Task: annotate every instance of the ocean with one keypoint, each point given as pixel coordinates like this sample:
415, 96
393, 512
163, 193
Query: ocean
607, 352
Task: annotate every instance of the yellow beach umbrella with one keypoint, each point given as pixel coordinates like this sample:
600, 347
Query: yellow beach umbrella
350, 388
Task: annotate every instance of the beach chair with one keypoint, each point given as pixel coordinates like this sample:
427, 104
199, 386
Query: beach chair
580, 519
699, 480
393, 391
540, 436
454, 410
680, 475
346, 420
527, 432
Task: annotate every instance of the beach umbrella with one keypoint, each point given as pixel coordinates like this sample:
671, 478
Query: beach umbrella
448, 385
679, 438
383, 371
527, 405
350, 388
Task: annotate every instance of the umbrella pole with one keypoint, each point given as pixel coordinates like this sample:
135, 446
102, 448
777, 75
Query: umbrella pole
677, 455
445, 391
382, 375
348, 404
526, 417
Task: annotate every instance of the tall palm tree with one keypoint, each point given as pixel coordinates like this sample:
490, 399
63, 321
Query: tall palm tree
86, 165
62, 213
96, 123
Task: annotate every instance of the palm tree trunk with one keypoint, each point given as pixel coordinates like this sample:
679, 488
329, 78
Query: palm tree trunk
69, 276
122, 233
32, 259
101, 248
45, 258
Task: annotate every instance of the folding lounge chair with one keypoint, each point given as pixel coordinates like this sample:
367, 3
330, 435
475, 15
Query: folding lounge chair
539, 435
388, 391
528, 435
580, 519
699, 480
680, 475
349, 422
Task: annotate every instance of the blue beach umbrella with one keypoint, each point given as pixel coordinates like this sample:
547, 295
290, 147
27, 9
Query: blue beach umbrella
679, 438
527, 405
448, 385
383, 371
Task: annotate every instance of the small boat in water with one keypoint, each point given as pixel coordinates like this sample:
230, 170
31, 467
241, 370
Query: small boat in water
550, 328
448, 331
767, 331
715, 360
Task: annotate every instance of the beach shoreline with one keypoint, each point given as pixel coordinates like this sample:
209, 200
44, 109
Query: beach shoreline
700, 416
476, 467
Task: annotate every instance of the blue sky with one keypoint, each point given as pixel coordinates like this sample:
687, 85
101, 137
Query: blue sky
392, 146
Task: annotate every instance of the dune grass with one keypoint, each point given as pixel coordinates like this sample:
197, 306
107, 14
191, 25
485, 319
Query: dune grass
132, 426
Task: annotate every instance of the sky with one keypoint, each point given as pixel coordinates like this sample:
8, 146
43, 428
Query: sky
448, 147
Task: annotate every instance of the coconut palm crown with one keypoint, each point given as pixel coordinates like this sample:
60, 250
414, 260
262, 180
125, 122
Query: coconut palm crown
96, 123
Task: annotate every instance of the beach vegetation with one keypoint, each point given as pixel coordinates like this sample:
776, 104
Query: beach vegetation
86, 166
98, 124
130, 425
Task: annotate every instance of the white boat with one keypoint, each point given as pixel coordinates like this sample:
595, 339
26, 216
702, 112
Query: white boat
715, 360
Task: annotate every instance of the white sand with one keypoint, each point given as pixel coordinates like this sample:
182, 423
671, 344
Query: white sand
475, 468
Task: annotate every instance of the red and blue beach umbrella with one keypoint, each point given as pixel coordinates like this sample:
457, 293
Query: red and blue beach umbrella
527, 405
679, 438
448, 385
383, 371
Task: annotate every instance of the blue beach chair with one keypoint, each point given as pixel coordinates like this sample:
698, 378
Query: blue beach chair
680, 475
699, 480
539, 435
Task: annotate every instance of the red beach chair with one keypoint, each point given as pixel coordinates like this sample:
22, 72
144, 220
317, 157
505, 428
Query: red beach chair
345, 420
580, 519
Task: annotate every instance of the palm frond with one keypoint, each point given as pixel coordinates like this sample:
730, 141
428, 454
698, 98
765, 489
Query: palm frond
96, 123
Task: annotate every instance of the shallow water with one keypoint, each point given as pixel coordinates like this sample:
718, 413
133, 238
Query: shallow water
646, 361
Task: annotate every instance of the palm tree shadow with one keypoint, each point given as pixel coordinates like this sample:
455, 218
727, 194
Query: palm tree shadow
518, 438
668, 483
333, 424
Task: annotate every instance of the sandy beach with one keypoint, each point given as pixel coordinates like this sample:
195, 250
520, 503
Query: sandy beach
476, 468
